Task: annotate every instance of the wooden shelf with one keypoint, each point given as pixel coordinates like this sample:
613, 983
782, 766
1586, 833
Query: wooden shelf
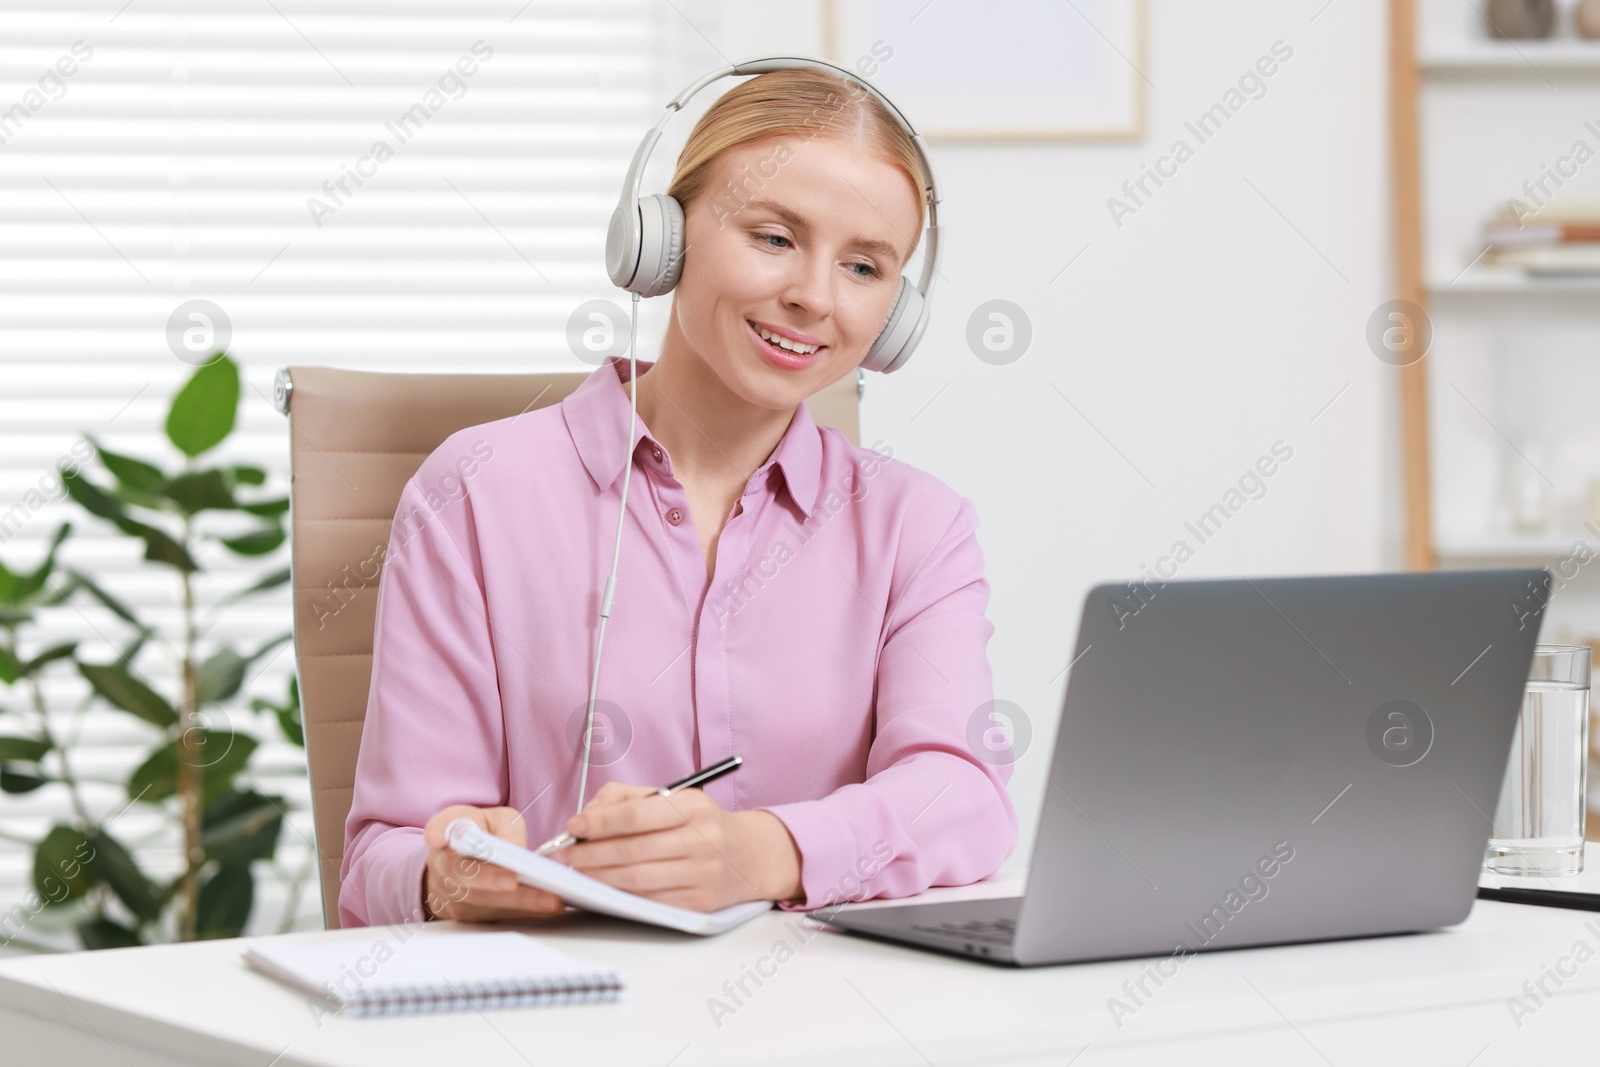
1479, 280
1514, 57
1510, 548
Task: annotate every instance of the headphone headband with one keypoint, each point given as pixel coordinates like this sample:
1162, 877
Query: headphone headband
631, 266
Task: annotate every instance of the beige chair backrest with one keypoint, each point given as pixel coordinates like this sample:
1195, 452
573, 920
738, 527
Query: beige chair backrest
356, 437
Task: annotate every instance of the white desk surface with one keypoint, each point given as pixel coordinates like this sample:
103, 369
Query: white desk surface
1437, 998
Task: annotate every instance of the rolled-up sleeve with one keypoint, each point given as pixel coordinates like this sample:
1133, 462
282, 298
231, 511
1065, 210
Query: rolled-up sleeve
433, 678
934, 809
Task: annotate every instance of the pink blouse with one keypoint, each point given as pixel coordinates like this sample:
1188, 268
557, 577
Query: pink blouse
840, 650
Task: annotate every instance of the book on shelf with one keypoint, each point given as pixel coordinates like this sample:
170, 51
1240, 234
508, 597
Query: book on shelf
1582, 257
1554, 240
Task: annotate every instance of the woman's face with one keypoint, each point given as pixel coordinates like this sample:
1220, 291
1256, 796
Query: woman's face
809, 241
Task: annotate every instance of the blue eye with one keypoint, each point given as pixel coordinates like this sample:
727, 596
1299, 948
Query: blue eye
872, 271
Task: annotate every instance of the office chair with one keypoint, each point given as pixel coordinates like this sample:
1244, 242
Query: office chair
355, 438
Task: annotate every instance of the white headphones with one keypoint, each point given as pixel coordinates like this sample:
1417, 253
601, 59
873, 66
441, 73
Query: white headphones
644, 245
644, 255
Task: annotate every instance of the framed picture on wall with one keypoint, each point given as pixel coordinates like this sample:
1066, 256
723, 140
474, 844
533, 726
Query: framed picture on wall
1002, 70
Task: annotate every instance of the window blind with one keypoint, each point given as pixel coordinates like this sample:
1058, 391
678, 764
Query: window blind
383, 184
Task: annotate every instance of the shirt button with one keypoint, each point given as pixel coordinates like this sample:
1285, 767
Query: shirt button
674, 516
655, 454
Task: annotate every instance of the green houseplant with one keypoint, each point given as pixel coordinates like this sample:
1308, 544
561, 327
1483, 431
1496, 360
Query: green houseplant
192, 772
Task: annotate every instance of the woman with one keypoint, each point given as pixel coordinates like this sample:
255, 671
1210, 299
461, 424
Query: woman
784, 596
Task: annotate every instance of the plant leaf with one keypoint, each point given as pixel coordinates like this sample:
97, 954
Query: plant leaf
61, 651
249, 475
221, 755
115, 606
204, 410
132, 648
117, 685
267, 509
23, 748
10, 668
30, 584
199, 490
291, 714
289, 722
170, 890
257, 542
241, 826
156, 778
271, 581
15, 781
94, 499
116, 867
141, 499
225, 901
104, 933
159, 547
288, 713
130, 472
223, 768
221, 675
63, 865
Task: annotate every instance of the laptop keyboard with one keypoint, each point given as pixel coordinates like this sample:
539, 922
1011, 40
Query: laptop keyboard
989, 931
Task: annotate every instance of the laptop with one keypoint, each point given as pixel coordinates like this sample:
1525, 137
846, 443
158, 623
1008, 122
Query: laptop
1259, 761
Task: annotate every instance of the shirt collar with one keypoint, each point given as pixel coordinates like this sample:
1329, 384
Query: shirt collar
597, 414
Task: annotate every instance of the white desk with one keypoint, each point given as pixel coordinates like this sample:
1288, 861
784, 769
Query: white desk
1434, 998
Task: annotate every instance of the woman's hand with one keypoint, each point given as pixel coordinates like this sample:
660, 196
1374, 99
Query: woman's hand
682, 849
459, 887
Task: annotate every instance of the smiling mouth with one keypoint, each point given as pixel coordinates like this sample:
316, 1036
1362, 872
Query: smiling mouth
783, 343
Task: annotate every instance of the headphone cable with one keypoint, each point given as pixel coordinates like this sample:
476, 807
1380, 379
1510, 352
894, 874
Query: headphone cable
616, 552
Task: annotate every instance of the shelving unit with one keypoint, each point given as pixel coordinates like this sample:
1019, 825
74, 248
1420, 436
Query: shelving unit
1511, 57
1472, 119
1515, 358
1503, 551
1480, 280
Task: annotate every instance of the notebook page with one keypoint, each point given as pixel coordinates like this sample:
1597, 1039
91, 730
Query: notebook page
468, 839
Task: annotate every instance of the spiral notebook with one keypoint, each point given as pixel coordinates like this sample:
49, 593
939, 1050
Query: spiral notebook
439, 972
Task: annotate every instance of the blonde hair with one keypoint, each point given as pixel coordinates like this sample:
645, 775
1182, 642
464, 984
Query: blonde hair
799, 103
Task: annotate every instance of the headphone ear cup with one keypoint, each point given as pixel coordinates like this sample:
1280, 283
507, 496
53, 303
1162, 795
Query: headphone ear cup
644, 254
622, 247
901, 331
661, 245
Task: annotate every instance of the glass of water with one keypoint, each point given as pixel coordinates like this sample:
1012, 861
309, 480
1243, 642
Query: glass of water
1538, 824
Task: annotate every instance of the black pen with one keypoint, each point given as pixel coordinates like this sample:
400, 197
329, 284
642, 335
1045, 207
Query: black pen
700, 777
1548, 898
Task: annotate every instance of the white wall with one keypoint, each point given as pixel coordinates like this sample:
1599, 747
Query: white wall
1211, 324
